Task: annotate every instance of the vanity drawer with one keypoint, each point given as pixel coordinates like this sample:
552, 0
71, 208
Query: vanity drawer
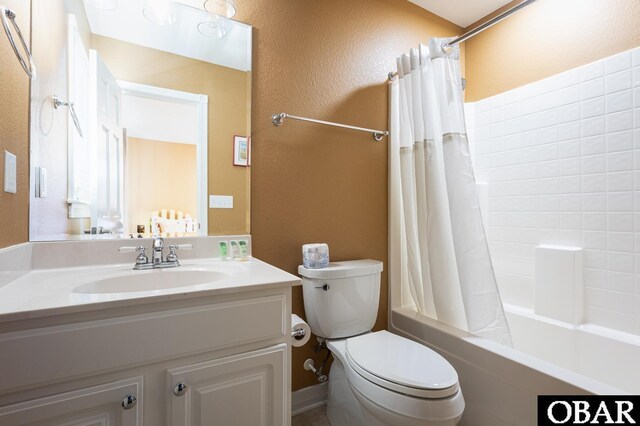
51, 354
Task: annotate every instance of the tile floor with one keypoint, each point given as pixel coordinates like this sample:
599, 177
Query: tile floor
315, 417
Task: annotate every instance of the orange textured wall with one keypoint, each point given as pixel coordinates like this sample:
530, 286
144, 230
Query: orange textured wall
548, 37
14, 132
328, 60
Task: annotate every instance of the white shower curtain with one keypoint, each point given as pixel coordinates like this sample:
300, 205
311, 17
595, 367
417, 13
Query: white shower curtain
444, 255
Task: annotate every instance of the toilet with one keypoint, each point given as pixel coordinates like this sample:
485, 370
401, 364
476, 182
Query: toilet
377, 378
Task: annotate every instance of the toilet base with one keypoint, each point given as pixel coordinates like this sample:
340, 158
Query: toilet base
343, 409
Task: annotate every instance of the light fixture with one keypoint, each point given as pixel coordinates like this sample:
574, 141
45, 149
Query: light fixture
225, 8
215, 27
103, 5
160, 12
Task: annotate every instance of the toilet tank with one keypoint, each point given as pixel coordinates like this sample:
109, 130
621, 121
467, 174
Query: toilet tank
341, 300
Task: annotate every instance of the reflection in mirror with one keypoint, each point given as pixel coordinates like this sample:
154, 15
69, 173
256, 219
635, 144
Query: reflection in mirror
133, 119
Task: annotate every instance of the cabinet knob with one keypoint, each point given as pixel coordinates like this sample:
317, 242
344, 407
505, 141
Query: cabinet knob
180, 389
129, 402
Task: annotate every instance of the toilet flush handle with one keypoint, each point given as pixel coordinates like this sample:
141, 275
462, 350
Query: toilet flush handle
324, 287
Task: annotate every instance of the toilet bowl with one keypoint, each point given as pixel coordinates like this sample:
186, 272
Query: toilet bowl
376, 378
394, 381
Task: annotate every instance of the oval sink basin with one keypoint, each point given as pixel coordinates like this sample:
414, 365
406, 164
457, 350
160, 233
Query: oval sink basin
158, 279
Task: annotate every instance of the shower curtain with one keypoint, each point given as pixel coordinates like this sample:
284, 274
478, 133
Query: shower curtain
444, 255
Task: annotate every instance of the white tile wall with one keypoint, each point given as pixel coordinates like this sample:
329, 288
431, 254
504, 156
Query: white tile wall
561, 158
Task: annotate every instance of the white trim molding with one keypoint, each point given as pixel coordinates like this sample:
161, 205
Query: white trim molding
309, 398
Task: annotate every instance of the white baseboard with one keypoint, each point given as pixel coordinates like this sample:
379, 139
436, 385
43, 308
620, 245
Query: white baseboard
309, 398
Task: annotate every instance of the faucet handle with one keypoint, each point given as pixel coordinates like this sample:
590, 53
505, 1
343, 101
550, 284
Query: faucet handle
142, 257
172, 256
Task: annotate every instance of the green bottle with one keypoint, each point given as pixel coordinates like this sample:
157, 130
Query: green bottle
224, 250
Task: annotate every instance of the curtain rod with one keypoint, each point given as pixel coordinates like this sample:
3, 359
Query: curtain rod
480, 28
278, 119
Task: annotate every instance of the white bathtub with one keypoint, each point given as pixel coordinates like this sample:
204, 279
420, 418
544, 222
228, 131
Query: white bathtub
500, 385
603, 354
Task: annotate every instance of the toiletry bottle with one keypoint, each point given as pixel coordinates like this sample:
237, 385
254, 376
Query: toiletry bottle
235, 250
224, 250
244, 249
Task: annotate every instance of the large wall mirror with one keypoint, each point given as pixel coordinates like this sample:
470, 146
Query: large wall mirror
140, 120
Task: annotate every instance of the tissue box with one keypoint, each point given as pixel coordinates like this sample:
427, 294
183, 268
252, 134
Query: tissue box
315, 256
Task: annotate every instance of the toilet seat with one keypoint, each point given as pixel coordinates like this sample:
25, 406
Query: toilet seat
401, 365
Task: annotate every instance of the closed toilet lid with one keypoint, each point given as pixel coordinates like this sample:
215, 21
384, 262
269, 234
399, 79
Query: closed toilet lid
401, 365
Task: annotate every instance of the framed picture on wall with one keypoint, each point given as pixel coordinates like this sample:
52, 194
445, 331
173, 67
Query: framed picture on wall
241, 151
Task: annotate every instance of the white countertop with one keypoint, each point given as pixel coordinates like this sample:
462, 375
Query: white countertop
45, 292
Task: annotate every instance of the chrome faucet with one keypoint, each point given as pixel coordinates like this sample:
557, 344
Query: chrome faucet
158, 248
157, 258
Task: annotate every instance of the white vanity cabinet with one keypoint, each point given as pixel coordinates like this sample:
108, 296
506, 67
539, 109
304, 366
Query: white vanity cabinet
124, 365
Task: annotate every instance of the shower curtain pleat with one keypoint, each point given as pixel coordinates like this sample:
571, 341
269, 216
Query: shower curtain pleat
446, 263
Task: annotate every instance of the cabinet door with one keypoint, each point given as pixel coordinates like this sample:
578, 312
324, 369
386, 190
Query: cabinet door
101, 405
244, 389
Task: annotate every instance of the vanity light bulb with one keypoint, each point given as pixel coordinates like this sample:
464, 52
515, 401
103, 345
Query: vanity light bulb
225, 8
215, 27
160, 12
